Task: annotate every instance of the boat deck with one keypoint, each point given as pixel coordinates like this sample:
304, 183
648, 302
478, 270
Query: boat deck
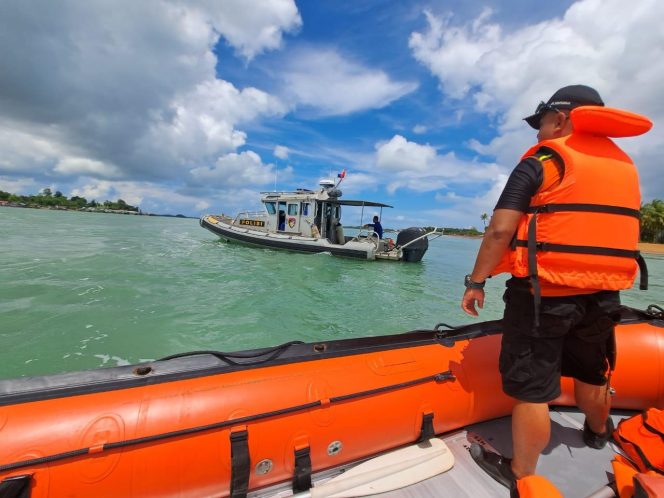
576, 470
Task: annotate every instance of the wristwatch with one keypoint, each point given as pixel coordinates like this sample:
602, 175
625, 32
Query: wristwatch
472, 285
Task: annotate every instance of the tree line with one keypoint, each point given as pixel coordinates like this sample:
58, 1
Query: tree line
652, 221
48, 198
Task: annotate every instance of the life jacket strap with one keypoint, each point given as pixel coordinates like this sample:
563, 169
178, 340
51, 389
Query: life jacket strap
586, 208
592, 250
532, 268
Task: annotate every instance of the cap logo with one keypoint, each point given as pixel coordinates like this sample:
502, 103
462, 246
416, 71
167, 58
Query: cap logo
560, 102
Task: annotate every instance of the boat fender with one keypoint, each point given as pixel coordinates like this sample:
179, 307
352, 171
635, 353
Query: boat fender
302, 469
240, 462
534, 487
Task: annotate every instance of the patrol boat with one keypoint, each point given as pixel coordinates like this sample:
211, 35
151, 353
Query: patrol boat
310, 221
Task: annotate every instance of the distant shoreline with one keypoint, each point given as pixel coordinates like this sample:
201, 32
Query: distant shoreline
650, 248
97, 210
463, 236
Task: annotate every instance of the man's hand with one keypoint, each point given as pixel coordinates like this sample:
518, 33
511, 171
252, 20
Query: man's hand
470, 297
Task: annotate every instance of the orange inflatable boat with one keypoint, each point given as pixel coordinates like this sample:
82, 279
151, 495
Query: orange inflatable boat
218, 424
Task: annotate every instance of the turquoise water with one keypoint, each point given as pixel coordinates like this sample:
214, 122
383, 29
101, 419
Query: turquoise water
83, 290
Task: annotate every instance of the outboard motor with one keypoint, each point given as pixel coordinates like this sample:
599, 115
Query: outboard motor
415, 251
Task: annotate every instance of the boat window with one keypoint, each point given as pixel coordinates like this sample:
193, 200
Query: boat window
292, 210
304, 208
271, 208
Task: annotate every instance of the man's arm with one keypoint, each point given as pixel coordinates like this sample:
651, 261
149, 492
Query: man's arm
496, 239
498, 236
523, 183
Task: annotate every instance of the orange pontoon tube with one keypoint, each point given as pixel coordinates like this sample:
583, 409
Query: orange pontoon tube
219, 424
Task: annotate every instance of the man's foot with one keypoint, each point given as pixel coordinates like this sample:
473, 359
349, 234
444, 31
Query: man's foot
497, 466
594, 440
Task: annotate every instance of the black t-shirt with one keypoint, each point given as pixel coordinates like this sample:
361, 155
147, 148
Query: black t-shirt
526, 179
523, 183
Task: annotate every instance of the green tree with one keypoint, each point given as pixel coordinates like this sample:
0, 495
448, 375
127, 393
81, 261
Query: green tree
78, 202
58, 194
46, 192
652, 221
484, 217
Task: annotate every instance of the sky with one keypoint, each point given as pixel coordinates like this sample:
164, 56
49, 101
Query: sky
197, 106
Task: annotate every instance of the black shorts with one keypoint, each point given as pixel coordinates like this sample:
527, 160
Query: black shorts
575, 339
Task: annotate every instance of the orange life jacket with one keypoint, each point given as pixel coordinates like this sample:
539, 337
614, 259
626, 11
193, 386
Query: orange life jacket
535, 486
583, 233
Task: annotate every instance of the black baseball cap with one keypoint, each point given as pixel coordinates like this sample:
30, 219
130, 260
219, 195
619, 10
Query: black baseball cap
568, 97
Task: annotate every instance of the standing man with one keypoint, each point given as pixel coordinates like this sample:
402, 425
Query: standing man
566, 227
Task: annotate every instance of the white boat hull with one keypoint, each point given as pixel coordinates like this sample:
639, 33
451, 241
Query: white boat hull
365, 249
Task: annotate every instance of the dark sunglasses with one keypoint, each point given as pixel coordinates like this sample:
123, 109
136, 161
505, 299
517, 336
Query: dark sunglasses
544, 107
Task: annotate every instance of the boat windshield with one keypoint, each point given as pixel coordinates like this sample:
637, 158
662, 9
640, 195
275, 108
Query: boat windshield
271, 208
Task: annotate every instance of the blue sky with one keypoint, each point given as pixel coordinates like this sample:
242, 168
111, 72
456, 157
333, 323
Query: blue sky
193, 106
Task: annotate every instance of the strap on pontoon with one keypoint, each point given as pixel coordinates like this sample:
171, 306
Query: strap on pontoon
302, 470
426, 432
240, 463
16, 487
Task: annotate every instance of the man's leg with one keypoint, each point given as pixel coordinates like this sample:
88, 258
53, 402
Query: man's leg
595, 403
531, 429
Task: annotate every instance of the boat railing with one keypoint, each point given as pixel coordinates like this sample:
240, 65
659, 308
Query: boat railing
367, 234
250, 214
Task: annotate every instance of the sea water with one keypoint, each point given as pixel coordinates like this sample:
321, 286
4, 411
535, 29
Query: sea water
84, 290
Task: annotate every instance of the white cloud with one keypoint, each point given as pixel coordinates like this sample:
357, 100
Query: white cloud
322, 79
255, 26
281, 152
399, 154
130, 91
202, 205
87, 167
236, 170
18, 185
96, 190
465, 210
609, 44
357, 182
22, 152
420, 168
419, 129
150, 197
202, 123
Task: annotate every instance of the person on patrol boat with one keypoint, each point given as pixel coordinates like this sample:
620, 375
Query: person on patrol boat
377, 227
566, 226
